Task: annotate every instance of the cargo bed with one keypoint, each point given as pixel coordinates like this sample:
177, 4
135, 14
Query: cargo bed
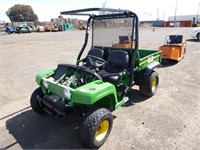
146, 58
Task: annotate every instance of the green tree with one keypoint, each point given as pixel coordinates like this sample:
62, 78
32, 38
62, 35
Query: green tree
20, 13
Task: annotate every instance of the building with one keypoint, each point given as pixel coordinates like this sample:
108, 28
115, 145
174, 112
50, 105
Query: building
180, 23
153, 23
193, 18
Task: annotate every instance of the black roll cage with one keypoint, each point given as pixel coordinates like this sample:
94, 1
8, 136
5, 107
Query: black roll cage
113, 14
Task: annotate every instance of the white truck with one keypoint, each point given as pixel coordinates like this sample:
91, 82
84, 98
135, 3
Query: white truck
196, 33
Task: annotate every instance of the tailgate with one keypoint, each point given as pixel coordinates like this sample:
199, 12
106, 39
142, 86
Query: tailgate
146, 58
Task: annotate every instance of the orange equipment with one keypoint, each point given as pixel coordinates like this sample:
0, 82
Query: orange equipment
124, 42
174, 49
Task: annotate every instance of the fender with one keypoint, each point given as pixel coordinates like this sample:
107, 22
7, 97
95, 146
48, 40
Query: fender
154, 65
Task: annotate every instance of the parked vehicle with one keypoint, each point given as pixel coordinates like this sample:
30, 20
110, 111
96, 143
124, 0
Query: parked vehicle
10, 29
68, 27
196, 33
98, 83
174, 49
54, 29
31, 28
22, 29
40, 29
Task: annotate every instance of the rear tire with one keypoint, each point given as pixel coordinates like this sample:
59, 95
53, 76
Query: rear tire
34, 101
150, 84
198, 37
96, 128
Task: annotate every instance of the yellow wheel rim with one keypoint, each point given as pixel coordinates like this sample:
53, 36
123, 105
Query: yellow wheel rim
102, 130
154, 84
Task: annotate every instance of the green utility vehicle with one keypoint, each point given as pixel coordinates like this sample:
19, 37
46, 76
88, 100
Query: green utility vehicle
22, 29
101, 78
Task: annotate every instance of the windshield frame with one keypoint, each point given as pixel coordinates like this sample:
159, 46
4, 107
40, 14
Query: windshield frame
115, 17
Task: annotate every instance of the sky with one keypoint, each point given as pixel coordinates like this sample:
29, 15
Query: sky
145, 9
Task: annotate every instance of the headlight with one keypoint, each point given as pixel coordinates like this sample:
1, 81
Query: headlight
46, 84
67, 94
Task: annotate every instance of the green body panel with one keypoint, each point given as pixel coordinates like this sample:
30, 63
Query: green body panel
87, 94
44, 74
97, 93
92, 92
146, 57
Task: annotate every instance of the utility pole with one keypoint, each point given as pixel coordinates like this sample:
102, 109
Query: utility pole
163, 16
175, 13
157, 14
198, 14
104, 6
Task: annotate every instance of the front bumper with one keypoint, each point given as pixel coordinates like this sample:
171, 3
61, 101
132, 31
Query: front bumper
53, 105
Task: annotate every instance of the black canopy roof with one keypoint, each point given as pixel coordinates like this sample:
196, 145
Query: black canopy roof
92, 10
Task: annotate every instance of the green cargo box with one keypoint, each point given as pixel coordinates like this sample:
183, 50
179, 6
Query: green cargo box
146, 58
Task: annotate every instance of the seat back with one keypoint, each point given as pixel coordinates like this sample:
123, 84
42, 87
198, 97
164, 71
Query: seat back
123, 39
175, 39
96, 52
117, 61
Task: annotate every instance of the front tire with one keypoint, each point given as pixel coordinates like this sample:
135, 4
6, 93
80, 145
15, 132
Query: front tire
150, 84
96, 128
35, 105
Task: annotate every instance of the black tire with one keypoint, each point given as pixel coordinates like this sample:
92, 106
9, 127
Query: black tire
165, 61
198, 37
184, 50
34, 101
150, 84
96, 128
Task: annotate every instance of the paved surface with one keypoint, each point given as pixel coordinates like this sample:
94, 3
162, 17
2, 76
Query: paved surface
168, 120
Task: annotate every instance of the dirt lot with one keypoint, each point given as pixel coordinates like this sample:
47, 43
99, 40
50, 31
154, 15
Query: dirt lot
168, 120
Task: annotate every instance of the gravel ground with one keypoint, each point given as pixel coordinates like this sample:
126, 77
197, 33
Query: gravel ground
168, 120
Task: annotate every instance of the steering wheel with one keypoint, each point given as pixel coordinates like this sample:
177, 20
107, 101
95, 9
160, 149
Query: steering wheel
96, 61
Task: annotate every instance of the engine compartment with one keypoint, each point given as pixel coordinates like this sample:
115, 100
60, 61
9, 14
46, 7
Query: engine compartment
74, 76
